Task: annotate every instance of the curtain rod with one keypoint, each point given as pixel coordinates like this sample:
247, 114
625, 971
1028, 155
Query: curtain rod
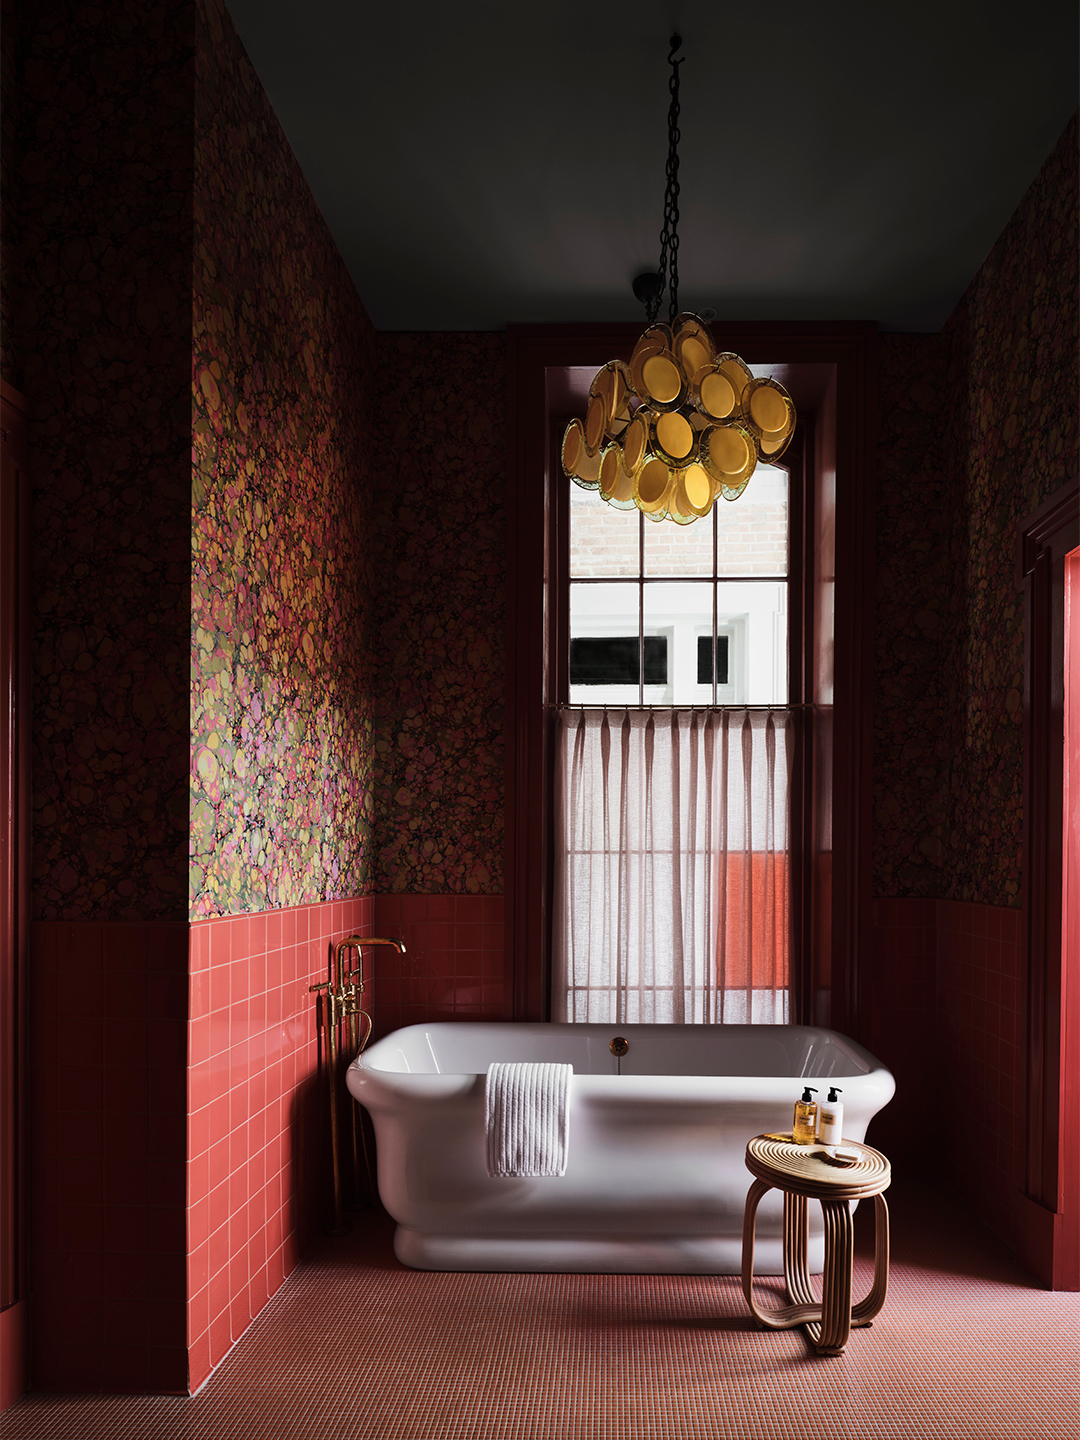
615, 705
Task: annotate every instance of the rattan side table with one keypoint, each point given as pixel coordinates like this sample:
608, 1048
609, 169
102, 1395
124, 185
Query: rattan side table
803, 1172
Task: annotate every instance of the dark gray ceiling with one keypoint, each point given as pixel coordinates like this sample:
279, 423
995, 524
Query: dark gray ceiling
485, 163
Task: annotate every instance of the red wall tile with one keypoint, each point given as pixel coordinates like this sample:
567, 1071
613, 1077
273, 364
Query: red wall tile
252, 1170
453, 962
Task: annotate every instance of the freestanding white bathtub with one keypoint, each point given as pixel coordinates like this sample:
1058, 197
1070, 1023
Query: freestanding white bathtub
655, 1181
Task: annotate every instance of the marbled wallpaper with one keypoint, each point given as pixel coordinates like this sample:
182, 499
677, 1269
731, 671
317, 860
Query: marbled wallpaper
913, 734
1014, 345
198, 365
282, 561
103, 139
978, 428
438, 645
11, 65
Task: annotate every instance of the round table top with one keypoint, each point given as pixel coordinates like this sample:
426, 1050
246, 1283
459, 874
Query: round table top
808, 1170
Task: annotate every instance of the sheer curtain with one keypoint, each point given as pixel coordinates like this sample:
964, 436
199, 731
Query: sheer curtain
671, 889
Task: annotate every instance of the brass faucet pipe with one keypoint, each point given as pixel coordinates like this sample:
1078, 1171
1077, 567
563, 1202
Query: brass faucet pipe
340, 1010
355, 1043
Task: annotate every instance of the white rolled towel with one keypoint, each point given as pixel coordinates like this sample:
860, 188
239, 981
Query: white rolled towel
528, 1118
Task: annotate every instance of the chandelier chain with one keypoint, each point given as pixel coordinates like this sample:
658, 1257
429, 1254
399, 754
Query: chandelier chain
669, 235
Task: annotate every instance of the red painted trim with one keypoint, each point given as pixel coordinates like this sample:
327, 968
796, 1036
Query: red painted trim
14, 1327
539, 357
1069, 1259
14, 878
1050, 1177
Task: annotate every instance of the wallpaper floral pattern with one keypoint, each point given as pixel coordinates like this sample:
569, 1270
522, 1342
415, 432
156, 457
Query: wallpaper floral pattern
979, 427
913, 737
1015, 345
438, 646
205, 430
281, 709
11, 60
103, 325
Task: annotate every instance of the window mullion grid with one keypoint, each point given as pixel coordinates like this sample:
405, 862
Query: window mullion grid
715, 616
641, 609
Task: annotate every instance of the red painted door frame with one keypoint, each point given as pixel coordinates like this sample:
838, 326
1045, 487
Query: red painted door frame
840, 791
14, 885
1051, 1180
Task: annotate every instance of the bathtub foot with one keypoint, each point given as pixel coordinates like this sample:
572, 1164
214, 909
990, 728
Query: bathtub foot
609, 1254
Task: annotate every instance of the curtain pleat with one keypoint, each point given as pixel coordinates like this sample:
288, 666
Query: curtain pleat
672, 867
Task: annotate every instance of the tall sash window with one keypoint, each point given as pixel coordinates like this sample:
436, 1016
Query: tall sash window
672, 859
672, 876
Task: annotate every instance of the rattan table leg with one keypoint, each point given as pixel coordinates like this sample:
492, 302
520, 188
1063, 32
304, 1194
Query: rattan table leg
797, 1250
785, 1317
829, 1334
863, 1313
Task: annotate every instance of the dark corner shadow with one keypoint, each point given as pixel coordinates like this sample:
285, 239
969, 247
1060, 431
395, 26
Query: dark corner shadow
368, 1242
932, 1230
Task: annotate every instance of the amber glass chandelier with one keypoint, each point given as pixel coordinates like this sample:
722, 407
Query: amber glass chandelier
683, 423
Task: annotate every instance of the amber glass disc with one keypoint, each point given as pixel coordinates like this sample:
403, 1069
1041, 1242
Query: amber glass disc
604, 385
656, 339
657, 332
620, 396
642, 353
583, 468
696, 489
715, 392
680, 510
771, 447
732, 492
635, 442
652, 485
610, 468
616, 486
694, 347
674, 437
595, 423
765, 407
768, 407
587, 475
729, 454
737, 372
692, 353
573, 446
662, 379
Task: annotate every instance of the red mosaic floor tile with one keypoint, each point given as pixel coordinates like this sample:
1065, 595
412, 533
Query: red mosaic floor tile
354, 1345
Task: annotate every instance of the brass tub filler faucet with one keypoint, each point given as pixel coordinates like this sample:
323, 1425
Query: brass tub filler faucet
338, 1015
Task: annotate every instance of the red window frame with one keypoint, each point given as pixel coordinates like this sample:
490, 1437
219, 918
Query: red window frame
831, 372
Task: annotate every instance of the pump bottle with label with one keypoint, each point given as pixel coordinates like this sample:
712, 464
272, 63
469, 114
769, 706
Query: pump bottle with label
804, 1127
831, 1119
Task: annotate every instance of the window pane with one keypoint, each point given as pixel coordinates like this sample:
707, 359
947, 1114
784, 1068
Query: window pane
718, 664
603, 541
616, 660
607, 614
751, 536
753, 620
681, 613
672, 549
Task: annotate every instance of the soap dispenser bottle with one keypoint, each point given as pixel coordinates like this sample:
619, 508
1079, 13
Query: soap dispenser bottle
804, 1128
831, 1120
